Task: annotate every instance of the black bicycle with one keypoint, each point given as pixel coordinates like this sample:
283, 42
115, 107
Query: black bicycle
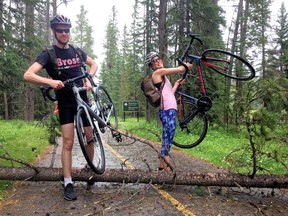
92, 117
191, 113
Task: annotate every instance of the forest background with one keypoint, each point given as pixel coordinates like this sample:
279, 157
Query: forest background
260, 105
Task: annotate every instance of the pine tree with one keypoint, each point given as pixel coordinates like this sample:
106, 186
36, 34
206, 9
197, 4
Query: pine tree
111, 66
281, 30
82, 33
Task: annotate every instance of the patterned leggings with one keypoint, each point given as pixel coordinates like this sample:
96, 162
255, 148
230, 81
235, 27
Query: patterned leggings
168, 119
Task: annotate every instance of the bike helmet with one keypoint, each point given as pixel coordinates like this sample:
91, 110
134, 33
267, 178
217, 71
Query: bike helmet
60, 20
150, 56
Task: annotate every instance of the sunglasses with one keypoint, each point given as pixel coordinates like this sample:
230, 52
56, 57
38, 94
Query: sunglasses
155, 60
62, 30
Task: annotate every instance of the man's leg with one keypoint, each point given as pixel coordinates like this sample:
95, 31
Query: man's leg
66, 158
66, 154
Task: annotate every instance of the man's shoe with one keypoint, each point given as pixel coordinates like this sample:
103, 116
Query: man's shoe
90, 184
69, 193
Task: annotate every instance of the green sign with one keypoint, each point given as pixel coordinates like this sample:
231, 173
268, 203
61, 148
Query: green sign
131, 106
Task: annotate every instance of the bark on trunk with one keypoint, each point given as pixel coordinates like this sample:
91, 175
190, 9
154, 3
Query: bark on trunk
155, 177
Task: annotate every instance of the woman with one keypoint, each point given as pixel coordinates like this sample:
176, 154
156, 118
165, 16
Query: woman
168, 107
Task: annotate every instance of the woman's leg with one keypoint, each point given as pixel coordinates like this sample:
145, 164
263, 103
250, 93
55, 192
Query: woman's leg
168, 119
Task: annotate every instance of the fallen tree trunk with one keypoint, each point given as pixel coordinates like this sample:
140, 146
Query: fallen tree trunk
139, 176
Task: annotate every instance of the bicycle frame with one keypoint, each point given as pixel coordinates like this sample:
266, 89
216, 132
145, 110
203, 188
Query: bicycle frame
82, 104
196, 101
98, 106
204, 103
198, 61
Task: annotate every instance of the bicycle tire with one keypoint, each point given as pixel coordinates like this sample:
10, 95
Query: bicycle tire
105, 104
228, 64
196, 129
96, 161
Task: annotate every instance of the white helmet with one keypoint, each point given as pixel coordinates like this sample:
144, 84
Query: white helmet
149, 58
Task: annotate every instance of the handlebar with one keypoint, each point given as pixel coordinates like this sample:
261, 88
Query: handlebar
46, 90
193, 37
185, 54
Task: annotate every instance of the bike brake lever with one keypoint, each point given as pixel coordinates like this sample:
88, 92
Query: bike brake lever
43, 91
46, 93
180, 62
179, 88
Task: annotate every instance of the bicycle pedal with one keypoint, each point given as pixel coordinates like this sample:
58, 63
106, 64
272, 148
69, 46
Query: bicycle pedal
215, 95
117, 136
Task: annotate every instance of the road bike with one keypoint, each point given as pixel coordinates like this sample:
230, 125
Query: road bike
191, 113
97, 115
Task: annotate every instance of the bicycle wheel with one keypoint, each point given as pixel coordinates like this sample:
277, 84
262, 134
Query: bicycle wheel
227, 64
90, 142
193, 132
106, 108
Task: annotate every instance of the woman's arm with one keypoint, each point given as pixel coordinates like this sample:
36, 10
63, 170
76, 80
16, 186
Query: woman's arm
159, 73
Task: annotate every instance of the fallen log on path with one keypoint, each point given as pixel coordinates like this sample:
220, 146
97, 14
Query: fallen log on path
140, 176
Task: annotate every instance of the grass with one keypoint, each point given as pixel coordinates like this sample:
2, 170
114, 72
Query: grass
226, 149
20, 140
213, 149
216, 145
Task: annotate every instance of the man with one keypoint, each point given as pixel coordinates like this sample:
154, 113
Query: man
168, 105
69, 66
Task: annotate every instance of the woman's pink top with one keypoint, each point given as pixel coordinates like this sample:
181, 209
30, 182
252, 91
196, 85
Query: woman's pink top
168, 100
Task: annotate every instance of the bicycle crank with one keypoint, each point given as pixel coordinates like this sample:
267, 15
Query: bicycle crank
204, 103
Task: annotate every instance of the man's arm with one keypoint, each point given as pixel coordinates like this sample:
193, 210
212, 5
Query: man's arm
31, 75
93, 66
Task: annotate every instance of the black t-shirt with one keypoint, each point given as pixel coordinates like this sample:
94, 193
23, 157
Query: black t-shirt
69, 66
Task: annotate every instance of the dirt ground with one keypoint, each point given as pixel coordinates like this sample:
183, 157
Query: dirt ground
45, 198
